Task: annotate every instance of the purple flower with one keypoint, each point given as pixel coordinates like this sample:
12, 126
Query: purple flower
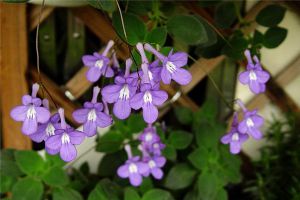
91, 116
156, 148
234, 138
64, 140
254, 76
148, 99
121, 92
98, 64
133, 168
172, 66
47, 129
148, 137
30, 113
155, 164
251, 122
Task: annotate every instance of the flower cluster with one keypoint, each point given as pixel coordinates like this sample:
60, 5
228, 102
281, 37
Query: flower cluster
151, 162
239, 132
130, 90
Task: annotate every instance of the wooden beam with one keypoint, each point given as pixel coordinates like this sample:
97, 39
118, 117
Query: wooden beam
13, 62
34, 13
57, 94
100, 26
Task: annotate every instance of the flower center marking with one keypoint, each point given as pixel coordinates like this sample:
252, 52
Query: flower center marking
124, 92
151, 164
171, 67
249, 122
99, 64
235, 137
252, 75
150, 75
65, 139
92, 115
133, 168
147, 97
50, 130
148, 137
31, 113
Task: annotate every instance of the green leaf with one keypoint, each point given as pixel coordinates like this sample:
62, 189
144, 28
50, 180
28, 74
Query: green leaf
170, 152
131, 194
66, 193
211, 51
199, 158
6, 183
274, 37
188, 29
271, 15
27, 189
134, 27
207, 185
180, 176
238, 44
258, 38
180, 139
210, 32
56, 176
54, 160
105, 190
157, 194
146, 185
225, 14
184, 115
157, 36
8, 165
110, 142
30, 162
135, 123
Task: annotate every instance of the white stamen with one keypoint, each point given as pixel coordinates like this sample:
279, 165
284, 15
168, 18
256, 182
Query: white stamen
252, 75
155, 146
99, 64
50, 130
133, 168
31, 113
171, 67
249, 122
65, 138
235, 137
150, 75
124, 92
147, 97
151, 164
92, 115
148, 137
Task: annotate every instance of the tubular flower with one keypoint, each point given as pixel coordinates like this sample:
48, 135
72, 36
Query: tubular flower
31, 112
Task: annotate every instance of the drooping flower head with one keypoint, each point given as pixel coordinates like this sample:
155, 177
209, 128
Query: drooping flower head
98, 64
254, 76
155, 164
121, 92
91, 116
251, 122
46, 129
31, 112
172, 66
234, 138
133, 168
64, 140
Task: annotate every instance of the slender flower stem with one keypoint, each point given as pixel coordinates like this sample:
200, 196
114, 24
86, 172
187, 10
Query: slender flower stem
128, 150
96, 91
241, 104
35, 89
149, 48
140, 48
128, 66
62, 118
106, 110
108, 47
46, 103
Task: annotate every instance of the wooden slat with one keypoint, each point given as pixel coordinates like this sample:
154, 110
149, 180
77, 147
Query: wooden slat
78, 84
34, 15
57, 94
13, 64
